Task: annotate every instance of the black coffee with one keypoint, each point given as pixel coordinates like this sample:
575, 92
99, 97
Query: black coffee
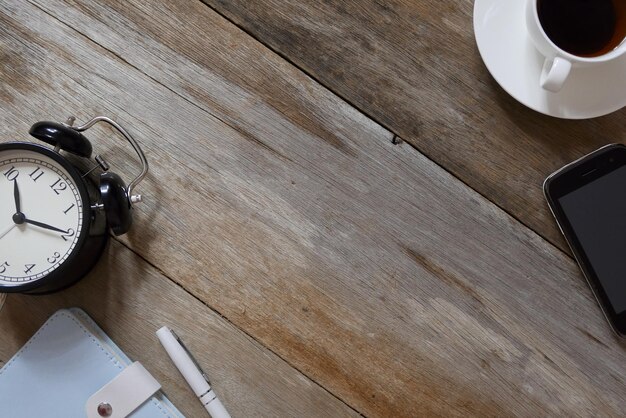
588, 28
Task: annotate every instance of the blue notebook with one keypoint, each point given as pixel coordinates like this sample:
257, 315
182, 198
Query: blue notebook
68, 360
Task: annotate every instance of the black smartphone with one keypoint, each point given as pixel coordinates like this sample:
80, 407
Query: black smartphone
588, 200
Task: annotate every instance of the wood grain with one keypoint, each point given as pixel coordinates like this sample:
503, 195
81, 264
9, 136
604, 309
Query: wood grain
413, 66
130, 300
360, 262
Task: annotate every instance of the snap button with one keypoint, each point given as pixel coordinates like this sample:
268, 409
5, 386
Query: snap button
105, 409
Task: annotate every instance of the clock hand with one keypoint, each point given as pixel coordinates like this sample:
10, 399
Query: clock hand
6, 231
45, 226
16, 195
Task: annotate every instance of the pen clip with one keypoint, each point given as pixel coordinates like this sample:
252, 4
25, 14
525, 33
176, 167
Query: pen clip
193, 359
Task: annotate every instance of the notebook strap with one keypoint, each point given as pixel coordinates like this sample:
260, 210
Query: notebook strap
122, 395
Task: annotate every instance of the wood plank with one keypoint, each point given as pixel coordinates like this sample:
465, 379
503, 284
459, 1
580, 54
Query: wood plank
414, 67
130, 300
360, 262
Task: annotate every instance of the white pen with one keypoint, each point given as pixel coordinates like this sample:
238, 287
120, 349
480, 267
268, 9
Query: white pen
192, 372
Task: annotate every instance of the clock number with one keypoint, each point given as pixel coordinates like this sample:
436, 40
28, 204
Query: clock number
29, 267
68, 209
70, 233
54, 258
3, 267
58, 186
36, 174
11, 174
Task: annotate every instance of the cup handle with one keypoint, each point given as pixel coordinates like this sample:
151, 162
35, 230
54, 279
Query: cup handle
554, 73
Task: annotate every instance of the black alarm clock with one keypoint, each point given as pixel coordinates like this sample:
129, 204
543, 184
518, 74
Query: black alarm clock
54, 217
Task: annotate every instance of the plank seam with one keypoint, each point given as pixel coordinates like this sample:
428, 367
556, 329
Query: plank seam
228, 321
397, 139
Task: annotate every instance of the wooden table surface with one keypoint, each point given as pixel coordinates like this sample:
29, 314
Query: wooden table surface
343, 215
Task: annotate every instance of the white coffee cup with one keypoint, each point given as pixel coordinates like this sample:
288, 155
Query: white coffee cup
558, 63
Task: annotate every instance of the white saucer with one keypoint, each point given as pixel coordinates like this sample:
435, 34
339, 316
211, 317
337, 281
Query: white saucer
508, 53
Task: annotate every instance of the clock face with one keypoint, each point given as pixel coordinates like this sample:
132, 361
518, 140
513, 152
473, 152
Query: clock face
41, 216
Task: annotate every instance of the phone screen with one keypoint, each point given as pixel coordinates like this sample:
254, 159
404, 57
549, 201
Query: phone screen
597, 215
